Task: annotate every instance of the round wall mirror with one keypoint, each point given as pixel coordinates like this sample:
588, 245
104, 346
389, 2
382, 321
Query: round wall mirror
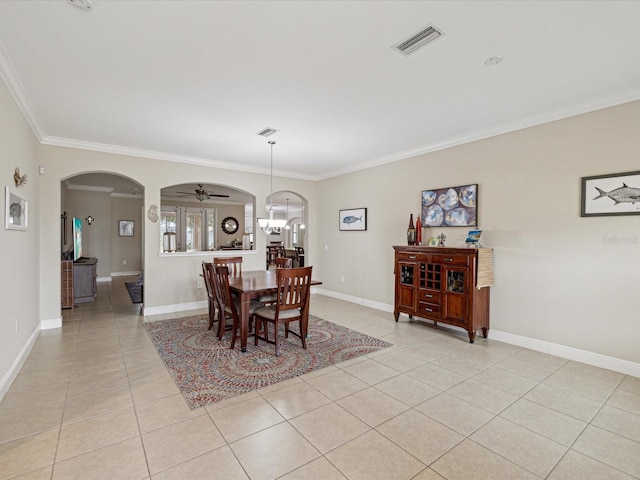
229, 225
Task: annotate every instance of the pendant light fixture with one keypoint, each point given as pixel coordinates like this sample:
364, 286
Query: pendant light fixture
267, 225
302, 224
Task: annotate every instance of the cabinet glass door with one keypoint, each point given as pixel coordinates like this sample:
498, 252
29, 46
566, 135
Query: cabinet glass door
406, 274
455, 281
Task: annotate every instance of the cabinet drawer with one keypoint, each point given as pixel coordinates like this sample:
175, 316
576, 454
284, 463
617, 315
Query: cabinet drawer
428, 309
410, 257
428, 296
450, 259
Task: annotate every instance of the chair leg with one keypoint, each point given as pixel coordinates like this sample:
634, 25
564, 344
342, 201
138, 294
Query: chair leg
234, 329
222, 320
257, 330
212, 314
277, 327
303, 334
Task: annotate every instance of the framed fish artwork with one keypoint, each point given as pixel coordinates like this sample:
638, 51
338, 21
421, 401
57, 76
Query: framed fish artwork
354, 219
614, 194
450, 206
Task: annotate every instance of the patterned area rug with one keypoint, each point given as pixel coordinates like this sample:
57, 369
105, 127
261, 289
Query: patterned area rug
135, 291
207, 370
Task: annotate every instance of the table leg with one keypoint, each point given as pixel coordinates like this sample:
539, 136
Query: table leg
245, 301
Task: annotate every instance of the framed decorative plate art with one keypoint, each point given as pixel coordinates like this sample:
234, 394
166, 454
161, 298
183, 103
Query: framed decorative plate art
16, 213
614, 194
450, 207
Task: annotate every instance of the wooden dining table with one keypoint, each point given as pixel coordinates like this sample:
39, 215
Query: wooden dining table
251, 285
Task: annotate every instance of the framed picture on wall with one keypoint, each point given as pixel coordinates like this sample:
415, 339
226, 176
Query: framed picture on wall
16, 213
125, 228
354, 219
613, 194
450, 206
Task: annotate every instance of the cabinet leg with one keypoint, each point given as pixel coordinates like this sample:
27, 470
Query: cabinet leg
410, 317
396, 315
472, 336
485, 332
435, 324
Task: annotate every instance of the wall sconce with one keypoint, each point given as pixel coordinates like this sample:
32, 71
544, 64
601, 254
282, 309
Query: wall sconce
89, 219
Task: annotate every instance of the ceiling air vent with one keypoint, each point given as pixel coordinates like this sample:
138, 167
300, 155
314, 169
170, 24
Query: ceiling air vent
418, 39
267, 132
83, 4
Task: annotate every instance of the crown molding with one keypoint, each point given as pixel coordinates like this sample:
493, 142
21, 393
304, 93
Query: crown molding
8, 74
127, 195
89, 188
606, 101
169, 157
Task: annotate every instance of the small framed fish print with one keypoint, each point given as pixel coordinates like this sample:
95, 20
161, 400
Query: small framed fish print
354, 219
614, 194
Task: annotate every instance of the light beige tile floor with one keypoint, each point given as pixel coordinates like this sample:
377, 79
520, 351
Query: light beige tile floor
94, 401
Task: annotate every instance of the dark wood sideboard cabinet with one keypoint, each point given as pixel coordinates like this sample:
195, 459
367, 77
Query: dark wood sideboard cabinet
447, 285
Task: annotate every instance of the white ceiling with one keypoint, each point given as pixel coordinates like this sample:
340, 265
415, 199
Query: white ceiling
195, 81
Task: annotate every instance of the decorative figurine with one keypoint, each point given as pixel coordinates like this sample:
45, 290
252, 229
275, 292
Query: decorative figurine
441, 238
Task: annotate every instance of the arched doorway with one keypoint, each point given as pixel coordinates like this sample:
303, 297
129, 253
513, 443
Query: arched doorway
102, 220
289, 207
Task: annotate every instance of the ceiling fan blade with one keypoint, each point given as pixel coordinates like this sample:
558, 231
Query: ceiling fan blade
217, 195
186, 193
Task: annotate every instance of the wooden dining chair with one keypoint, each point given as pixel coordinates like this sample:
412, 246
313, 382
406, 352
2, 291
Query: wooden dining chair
292, 305
207, 273
281, 262
234, 264
299, 256
228, 305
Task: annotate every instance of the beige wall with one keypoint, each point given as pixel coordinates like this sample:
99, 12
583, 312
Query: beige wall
559, 278
19, 253
127, 249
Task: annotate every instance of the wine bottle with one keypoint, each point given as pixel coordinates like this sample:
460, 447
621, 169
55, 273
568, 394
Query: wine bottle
411, 232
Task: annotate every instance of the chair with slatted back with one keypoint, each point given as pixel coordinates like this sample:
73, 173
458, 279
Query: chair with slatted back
292, 305
234, 264
299, 256
207, 273
281, 262
228, 305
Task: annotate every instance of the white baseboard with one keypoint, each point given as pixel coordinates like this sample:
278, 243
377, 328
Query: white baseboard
177, 307
103, 279
125, 274
10, 376
348, 298
570, 353
51, 323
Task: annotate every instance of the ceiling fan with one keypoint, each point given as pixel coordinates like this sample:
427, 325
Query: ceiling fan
201, 194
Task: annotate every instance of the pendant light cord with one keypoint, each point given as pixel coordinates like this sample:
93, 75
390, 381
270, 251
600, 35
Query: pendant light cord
272, 143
